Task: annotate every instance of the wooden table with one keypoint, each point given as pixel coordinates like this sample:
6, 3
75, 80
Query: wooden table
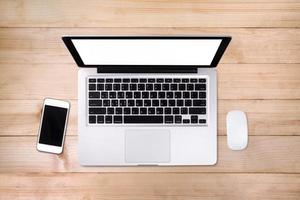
259, 73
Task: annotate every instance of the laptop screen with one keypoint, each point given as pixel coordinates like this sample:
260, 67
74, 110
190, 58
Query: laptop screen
137, 51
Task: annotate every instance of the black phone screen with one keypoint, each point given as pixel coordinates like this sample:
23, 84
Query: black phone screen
53, 125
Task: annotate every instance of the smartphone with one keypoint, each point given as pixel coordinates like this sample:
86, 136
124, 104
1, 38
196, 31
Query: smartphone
53, 125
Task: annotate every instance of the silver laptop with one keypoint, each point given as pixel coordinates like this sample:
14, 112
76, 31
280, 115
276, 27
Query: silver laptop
147, 100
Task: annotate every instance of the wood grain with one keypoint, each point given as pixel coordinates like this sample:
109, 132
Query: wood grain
135, 186
248, 45
267, 154
134, 13
265, 117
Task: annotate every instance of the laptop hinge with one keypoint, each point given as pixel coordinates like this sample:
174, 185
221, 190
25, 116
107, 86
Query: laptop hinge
156, 69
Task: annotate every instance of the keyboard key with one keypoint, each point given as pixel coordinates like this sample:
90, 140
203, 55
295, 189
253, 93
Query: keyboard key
149, 87
168, 119
194, 95
147, 102
134, 80
161, 95
126, 110
145, 95
117, 119
106, 102
169, 95
110, 111
197, 111
100, 80
124, 86
186, 95
108, 86
104, 95
100, 86
122, 102
109, 80
199, 102
167, 111
200, 87
100, 119
179, 102
175, 111
112, 95
151, 80
139, 103
92, 86
177, 95
193, 80
181, 87
168, 80
151, 111
171, 102
117, 80
190, 87
202, 121
92, 80
143, 111
194, 119
160, 80
176, 80
163, 103
202, 80
184, 111
135, 111
155, 103
178, 119
116, 86
120, 95
143, 80
94, 94
129, 95
92, 119
157, 86
202, 95
137, 95
114, 102
185, 80
133, 87
95, 102
97, 110
130, 103
165, 87
188, 103
153, 95
108, 119
186, 121
141, 87
126, 80
159, 111
174, 87
137, 119
119, 111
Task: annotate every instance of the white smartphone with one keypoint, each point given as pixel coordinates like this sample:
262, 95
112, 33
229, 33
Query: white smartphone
53, 126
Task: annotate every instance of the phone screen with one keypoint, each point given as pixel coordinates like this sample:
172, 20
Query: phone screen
53, 125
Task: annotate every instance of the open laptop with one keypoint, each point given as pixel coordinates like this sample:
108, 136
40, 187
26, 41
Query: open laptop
147, 100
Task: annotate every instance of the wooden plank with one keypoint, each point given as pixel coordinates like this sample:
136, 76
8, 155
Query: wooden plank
265, 117
136, 186
44, 45
133, 13
235, 81
268, 154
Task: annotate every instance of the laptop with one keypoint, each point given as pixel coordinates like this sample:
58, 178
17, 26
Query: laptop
147, 100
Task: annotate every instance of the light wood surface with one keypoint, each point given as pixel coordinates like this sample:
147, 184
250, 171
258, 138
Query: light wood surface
259, 73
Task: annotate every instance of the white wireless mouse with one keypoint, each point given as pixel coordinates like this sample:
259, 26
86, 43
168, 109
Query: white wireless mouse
237, 130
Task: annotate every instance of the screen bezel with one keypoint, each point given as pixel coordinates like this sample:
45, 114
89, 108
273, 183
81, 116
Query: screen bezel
52, 148
224, 43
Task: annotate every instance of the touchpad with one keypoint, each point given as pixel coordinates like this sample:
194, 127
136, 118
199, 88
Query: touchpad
147, 146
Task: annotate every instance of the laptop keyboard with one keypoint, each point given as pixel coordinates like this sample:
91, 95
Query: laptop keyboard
147, 101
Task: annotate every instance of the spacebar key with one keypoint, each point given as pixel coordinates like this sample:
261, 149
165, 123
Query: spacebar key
138, 119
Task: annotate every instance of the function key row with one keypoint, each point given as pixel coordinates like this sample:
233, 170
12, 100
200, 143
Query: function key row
149, 80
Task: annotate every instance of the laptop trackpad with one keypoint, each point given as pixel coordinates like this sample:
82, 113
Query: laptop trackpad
147, 146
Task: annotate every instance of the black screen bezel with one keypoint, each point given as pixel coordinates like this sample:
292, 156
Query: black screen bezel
224, 43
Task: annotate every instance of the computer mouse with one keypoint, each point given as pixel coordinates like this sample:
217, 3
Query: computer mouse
237, 130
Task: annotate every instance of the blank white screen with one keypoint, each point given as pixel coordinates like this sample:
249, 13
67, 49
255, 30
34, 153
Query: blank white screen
147, 51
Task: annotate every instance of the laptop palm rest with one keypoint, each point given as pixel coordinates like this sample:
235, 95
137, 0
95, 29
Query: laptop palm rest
147, 146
